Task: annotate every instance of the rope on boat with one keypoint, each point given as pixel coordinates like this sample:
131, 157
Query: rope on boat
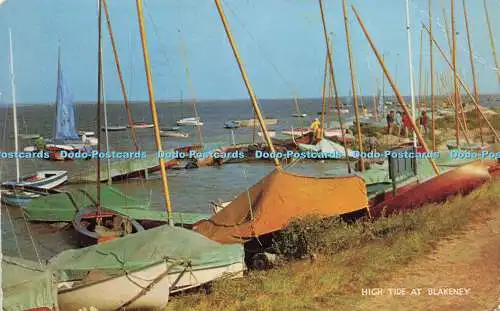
145, 290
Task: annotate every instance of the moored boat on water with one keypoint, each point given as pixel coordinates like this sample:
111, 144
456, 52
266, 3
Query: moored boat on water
193, 121
231, 124
116, 128
175, 134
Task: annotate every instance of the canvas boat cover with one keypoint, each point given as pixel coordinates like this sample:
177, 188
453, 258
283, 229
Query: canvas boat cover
277, 199
64, 206
146, 248
326, 146
26, 285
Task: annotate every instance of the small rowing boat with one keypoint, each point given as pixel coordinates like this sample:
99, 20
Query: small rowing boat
42, 179
172, 128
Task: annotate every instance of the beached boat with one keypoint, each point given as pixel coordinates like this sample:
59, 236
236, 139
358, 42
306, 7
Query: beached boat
304, 195
141, 270
255, 122
116, 128
467, 147
141, 125
334, 150
297, 131
174, 134
190, 121
42, 179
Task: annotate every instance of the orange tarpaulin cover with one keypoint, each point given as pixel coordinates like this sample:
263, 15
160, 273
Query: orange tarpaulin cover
278, 198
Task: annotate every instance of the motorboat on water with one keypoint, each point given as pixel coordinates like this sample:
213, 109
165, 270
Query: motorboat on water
116, 128
299, 115
232, 124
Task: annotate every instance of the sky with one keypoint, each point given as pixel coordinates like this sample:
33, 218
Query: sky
281, 43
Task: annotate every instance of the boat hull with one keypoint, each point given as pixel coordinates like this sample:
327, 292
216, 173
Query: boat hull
461, 180
17, 199
112, 293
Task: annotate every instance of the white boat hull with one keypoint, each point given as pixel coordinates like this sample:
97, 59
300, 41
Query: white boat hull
112, 293
43, 179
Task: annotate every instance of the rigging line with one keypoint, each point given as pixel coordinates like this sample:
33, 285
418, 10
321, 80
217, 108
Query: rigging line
162, 49
263, 53
461, 41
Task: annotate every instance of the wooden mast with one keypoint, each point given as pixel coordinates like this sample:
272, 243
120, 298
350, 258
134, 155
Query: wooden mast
323, 104
333, 84
492, 41
455, 79
120, 75
251, 93
353, 76
433, 102
420, 83
473, 99
154, 113
98, 119
473, 68
396, 90
191, 89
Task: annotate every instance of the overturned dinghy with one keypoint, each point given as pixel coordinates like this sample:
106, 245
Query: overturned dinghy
141, 270
271, 204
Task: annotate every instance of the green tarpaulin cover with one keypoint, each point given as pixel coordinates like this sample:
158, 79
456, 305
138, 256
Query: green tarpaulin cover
146, 248
26, 285
63, 206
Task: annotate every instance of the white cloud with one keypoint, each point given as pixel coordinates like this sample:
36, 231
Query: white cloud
2, 1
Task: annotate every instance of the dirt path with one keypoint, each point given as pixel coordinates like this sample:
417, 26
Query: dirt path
469, 262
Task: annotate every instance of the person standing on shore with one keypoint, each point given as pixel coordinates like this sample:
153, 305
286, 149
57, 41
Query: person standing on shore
390, 122
424, 121
406, 124
399, 123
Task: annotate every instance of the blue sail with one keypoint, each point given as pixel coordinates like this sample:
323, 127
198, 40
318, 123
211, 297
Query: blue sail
64, 129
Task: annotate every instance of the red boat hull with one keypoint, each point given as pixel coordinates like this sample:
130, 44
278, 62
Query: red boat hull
461, 180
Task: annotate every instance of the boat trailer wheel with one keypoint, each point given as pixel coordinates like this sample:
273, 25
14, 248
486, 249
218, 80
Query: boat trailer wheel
263, 261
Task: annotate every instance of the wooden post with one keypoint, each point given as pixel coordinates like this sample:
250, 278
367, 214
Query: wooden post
353, 77
396, 90
154, 113
253, 98
473, 68
474, 101
120, 76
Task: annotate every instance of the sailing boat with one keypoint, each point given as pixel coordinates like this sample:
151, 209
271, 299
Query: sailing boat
140, 275
298, 114
66, 138
16, 196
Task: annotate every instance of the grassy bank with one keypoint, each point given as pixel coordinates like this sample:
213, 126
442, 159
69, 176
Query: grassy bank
349, 258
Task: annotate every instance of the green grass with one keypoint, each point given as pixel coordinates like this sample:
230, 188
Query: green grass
349, 257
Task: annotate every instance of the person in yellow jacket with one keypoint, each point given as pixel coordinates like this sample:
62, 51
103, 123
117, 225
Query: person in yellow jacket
316, 128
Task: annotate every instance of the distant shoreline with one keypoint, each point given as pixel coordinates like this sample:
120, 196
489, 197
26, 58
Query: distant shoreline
212, 101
